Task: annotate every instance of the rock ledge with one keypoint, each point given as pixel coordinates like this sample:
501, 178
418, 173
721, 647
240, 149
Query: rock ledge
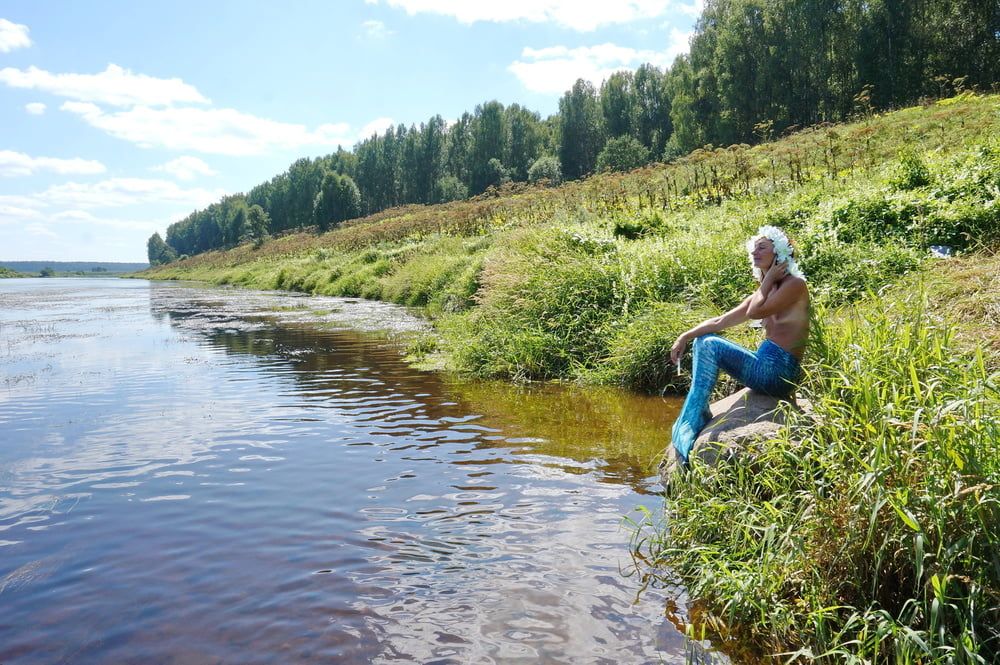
737, 420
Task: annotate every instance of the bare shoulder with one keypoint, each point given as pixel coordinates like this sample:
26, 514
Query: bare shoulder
795, 284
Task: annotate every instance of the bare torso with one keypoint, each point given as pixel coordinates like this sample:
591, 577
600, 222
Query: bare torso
789, 329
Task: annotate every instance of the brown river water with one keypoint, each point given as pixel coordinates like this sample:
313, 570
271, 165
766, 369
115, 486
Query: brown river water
192, 474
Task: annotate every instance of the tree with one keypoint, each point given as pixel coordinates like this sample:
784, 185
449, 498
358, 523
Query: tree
652, 124
304, 178
46, 272
546, 168
324, 203
158, 252
458, 148
338, 199
257, 224
618, 104
449, 188
347, 199
489, 142
431, 163
526, 135
683, 115
498, 173
622, 153
580, 131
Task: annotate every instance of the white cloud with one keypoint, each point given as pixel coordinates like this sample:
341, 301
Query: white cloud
84, 217
40, 230
556, 68
215, 131
581, 15
120, 192
680, 42
376, 30
18, 163
12, 213
38, 226
115, 86
692, 9
35, 108
12, 36
186, 167
376, 126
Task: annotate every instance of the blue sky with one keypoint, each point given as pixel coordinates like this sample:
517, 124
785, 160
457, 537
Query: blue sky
121, 117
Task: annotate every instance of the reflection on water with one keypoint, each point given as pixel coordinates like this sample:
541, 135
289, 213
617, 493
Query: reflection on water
199, 475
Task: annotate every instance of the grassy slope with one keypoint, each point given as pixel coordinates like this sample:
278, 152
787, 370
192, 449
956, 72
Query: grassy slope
589, 280
866, 534
870, 530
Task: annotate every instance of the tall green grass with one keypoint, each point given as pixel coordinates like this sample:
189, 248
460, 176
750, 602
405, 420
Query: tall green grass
581, 299
869, 529
593, 280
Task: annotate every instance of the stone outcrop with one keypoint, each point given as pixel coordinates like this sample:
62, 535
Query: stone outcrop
737, 420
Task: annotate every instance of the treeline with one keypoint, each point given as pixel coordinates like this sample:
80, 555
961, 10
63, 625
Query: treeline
756, 68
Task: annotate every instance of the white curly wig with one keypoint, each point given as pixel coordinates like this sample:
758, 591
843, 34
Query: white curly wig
782, 248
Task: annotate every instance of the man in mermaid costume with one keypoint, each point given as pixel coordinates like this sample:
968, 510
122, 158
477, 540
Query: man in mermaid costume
782, 303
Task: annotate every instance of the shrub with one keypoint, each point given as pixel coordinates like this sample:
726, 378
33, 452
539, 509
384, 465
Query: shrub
622, 153
840, 272
910, 172
867, 218
449, 188
551, 290
645, 223
546, 168
423, 277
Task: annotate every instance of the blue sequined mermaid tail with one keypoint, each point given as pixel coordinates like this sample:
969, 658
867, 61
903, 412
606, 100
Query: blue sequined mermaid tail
771, 370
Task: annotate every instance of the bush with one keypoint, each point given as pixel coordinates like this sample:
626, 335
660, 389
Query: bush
840, 272
534, 323
644, 224
546, 168
424, 276
622, 153
868, 218
449, 188
910, 172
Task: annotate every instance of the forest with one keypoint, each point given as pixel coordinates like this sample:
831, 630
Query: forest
756, 70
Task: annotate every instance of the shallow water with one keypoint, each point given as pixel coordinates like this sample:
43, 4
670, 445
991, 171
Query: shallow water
203, 475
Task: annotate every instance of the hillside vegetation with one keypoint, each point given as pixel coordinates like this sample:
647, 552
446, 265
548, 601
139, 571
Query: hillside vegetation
865, 533
594, 279
755, 69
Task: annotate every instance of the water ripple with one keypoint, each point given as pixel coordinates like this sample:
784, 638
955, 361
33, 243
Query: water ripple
192, 474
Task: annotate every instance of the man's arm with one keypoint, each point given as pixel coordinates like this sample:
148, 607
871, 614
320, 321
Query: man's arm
733, 317
765, 303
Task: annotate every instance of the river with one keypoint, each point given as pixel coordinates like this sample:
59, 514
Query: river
192, 474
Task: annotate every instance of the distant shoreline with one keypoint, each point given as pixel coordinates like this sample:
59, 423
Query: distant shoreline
70, 268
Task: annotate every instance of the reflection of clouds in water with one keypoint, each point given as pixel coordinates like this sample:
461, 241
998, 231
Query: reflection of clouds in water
311, 490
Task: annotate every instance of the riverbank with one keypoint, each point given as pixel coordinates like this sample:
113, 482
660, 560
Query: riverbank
866, 533
593, 280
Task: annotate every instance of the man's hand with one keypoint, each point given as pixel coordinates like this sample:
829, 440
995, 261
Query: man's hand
677, 350
777, 272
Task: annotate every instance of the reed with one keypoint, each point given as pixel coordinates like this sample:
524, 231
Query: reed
549, 283
869, 530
